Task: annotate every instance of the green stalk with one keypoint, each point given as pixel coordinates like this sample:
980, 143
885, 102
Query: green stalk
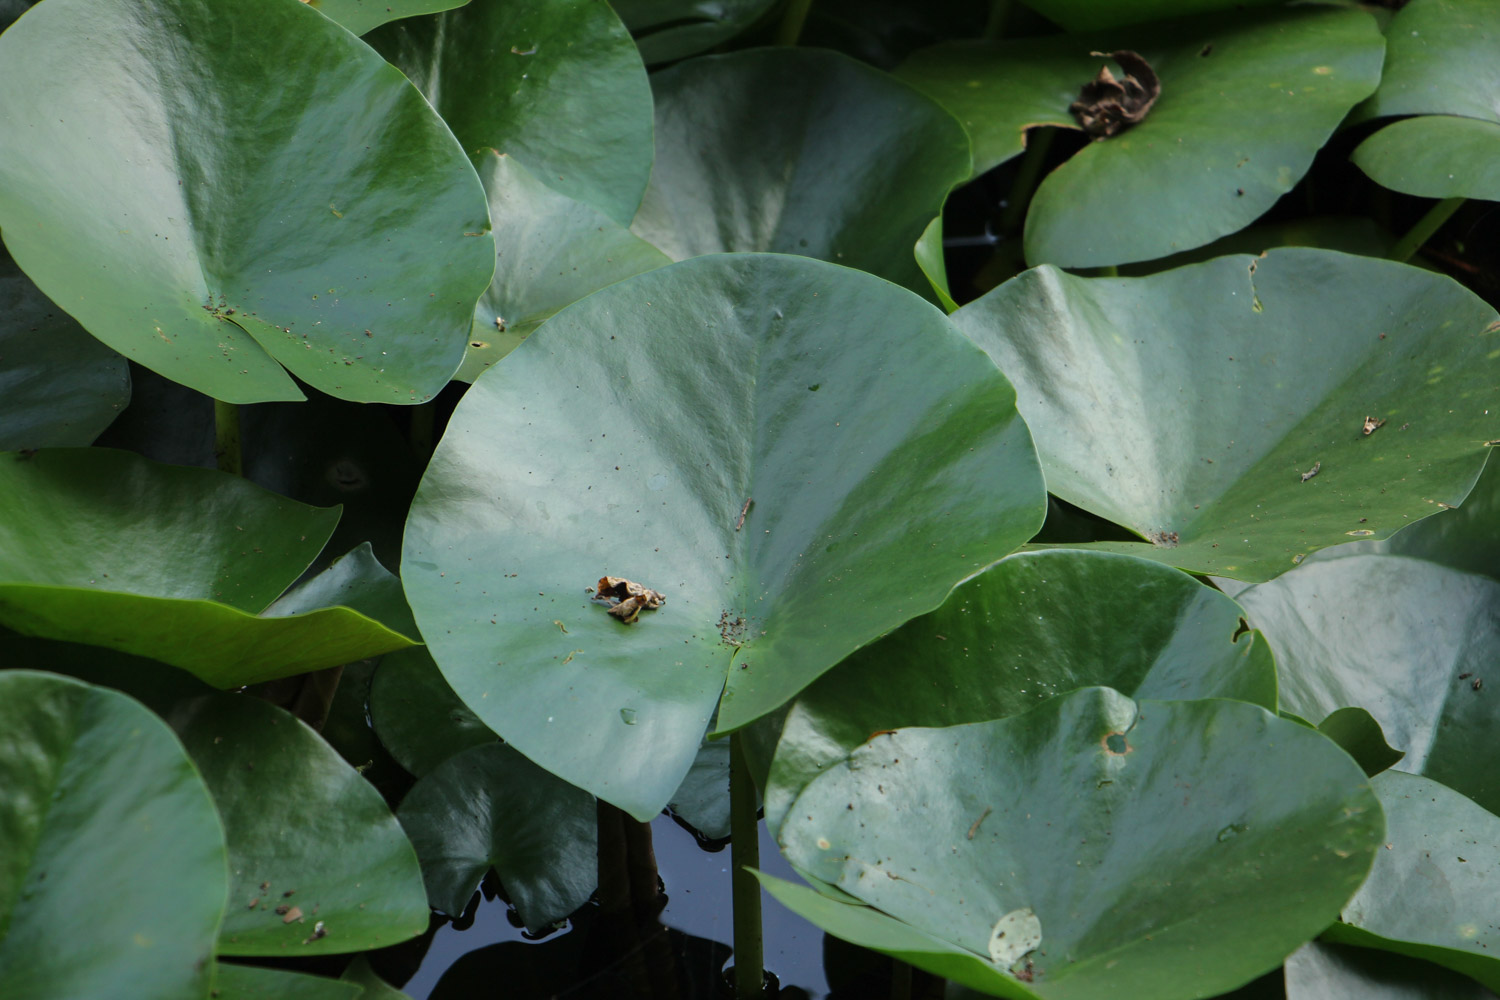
1026, 178
995, 25
227, 438
1426, 226
790, 28
744, 846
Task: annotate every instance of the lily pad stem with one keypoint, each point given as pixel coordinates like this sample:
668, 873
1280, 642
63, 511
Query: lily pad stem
744, 847
790, 28
995, 25
227, 438
1426, 226
1038, 142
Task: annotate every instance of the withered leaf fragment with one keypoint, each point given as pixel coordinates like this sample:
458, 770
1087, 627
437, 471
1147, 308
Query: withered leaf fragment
1317, 468
1107, 105
1372, 425
627, 599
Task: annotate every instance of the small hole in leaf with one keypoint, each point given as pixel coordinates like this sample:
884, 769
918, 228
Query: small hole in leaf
1115, 744
481, 345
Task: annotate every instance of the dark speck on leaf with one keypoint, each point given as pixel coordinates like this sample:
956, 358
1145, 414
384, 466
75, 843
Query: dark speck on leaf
1106, 105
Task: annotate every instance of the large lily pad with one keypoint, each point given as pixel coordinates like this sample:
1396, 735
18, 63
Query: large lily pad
556, 83
59, 387
359, 16
318, 864
1123, 848
1435, 156
1193, 170
1321, 971
101, 803
852, 168
216, 198
1430, 894
841, 416
489, 806
1031, 627
668, 30
108, 548
1219, 410
1440, 60
1409, 641
552, 251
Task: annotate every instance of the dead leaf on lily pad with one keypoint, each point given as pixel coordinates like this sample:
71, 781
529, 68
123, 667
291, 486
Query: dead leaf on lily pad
1107, 105
627, 598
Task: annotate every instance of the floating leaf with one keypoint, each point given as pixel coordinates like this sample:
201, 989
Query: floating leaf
248, 982
1218, 410
558, 84
1080, 15
1148, 839
173, 563
1321, 971
853, 176
356, 581
668, 30
1029, 628
1440, 60
1409, 641
702, 801
416, 714
359, 16
318, 864
227, 190
489, 806
1435, 156
758, 438
375, 988
1360, 735
102, 803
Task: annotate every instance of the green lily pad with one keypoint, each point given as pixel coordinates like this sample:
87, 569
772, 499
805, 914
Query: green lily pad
1440, 60
356, 581
307, 836
1322, 971
1082, 15
668, 30
552, 251
853, 176
1123, 849
1219, 410
1032, 626
1192, 170
841, 416
1360, 735
1409, 641
702, 800
214, 198
418, 717
1435, 156
59, 387
489, 806
102, 803
556, 83
176, 564
375, 988
359, 16
1430, 894
248, 982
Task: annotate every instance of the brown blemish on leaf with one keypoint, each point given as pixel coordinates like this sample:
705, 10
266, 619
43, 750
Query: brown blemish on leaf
1113, 740
732, 628
626, 598
1317, 467
1372, 425
1163, 539
1107, 105
975, 828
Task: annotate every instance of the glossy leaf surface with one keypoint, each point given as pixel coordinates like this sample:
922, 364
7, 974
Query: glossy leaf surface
852, 177
359, 16
101, 802
416, 714
307, 836
1147, 839
1218, 410
847, 421
557, 84
1435, 156
489, 806
1409, 641
668, 30
1360, 735
215, 198
1033, 626
1440, 60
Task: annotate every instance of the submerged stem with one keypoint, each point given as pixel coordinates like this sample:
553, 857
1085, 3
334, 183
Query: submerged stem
744, 846
227, 438
1019, 198
1426, 226
790, 28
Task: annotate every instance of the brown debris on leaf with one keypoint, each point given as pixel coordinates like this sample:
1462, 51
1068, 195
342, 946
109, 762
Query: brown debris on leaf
1106, 105
626, 598
1163, 539
1317, 468
1372, 425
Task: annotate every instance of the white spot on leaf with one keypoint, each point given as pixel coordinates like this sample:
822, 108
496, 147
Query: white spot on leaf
1014, 935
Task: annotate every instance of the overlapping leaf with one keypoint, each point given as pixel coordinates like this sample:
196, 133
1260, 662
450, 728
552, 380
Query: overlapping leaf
668, 30
1320, 971
359, 16
417, 716
248, 982
841, 416
852, 175
102, 803
1219, 410
1080, 15
1034, 626
227, 191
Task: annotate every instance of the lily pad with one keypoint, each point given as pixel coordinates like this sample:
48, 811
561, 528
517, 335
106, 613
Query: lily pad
758, 438
556, 83
668, 30
1032, 626
59, 387
101, 802
248, 982
1081, 15
1219, 410
1322, 971
1440, 60
851, 169
417, 716
1191, 171
176, 564
359, 16
552, 251
214, 198
318, 864
489, 806
1360, 735
1430, 894
1409, 641
1435, 156
1147, 839
356, 581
